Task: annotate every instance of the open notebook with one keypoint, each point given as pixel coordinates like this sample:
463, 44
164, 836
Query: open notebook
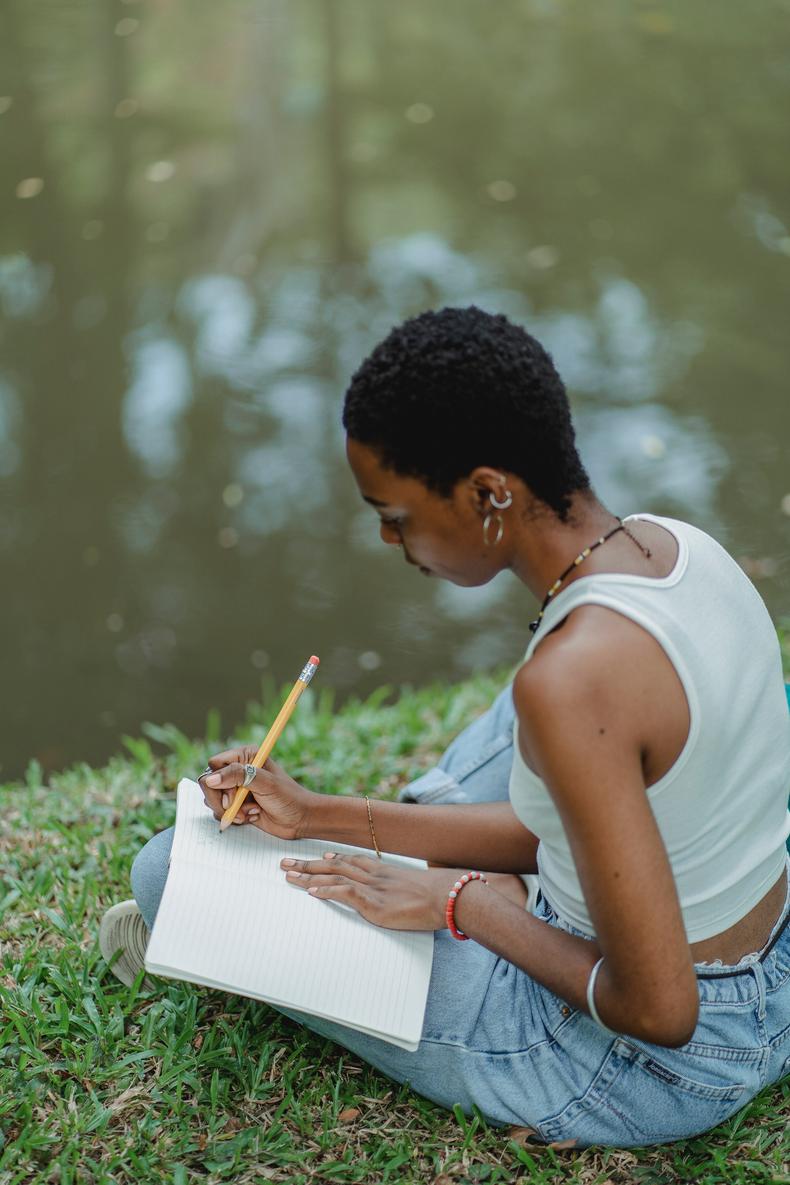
229, 920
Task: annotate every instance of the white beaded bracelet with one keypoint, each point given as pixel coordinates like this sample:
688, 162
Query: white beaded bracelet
593, 1011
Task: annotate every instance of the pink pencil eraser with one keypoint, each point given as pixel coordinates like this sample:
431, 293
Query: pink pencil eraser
315, 660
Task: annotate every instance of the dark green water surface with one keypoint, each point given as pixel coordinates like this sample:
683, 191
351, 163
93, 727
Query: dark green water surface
210, 212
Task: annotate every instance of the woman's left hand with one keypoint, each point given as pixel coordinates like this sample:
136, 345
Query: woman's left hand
386, 894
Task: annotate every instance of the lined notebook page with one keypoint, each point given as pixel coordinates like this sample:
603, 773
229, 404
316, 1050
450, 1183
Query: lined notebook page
229, 920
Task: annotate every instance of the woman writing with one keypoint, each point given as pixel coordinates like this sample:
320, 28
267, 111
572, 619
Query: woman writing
645, 995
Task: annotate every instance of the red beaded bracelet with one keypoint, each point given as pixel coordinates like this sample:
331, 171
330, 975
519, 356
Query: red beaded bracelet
449, 912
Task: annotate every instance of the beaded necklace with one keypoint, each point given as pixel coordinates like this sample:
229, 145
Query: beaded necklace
580, 558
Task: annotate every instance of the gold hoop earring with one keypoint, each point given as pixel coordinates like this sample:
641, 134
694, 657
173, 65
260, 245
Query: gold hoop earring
500, 529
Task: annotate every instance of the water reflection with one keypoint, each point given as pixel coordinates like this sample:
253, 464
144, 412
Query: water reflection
10, 419
154, 406
770, 230
619, 350
673, 462
208, 219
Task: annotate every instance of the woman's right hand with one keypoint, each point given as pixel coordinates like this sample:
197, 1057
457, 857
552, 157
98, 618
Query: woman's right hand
275, 802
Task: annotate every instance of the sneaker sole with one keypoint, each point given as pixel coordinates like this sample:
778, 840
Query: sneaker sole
123, 929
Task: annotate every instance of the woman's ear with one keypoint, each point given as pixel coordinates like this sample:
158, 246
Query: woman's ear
484, 483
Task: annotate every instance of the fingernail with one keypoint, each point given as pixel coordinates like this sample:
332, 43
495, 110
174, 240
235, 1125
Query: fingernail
214, 780
313, 889
225, 801
329, 855
293, 874
253, 814
287, 863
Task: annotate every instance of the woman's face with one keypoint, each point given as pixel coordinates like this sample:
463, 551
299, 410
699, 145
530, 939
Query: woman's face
440, 536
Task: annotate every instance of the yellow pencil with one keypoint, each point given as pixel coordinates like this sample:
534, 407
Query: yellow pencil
270, 740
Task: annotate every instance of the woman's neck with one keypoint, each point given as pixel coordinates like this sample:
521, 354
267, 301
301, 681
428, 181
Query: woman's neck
543, 546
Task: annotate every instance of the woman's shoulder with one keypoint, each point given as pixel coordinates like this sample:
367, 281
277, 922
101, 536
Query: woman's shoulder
593, 652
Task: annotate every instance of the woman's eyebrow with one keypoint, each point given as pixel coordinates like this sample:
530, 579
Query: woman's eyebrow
373, 501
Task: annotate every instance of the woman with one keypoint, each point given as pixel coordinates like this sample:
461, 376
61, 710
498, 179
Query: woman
645, 995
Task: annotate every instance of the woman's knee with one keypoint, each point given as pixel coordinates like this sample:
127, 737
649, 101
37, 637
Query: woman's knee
149, 874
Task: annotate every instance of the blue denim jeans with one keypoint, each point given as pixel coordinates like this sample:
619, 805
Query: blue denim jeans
497, 1039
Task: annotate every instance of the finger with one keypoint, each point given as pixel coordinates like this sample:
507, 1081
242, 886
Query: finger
211, 797
219, 811
220, 787
235, 801
330, 865
248, 812
228, 757
213, 800
366, 863
346, 894
262, 784
304, 880
243, 815
228, 777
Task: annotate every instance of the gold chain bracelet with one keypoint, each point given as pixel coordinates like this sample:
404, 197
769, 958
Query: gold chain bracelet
372, 831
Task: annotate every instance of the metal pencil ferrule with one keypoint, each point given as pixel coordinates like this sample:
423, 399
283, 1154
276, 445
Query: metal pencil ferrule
308, 671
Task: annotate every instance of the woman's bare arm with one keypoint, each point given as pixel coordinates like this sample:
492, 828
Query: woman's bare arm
478, 835
484, 835
585, 736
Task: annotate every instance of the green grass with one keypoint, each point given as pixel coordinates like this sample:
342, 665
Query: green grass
101, 1083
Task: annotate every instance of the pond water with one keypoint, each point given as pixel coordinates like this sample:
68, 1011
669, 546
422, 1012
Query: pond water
209, 214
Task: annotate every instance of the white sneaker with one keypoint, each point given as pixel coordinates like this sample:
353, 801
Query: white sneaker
122, 928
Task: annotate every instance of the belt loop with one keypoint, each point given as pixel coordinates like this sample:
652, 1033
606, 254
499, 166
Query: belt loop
759, 976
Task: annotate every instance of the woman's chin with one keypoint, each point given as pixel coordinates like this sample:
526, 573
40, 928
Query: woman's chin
465, 579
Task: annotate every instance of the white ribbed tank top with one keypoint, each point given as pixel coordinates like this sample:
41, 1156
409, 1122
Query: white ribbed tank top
722, 807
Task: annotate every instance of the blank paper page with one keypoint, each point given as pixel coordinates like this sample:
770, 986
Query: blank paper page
228, 919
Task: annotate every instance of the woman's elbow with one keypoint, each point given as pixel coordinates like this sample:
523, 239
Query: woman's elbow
670, 1026
672, 1038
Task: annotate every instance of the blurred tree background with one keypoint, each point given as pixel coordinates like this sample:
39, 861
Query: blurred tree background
208, 214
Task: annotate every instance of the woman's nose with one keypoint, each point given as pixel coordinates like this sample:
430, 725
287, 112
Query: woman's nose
390, 534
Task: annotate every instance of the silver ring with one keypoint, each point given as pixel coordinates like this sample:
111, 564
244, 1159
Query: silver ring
207, 770
249, 773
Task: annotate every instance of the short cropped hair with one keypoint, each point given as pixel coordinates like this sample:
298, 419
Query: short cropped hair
450, 390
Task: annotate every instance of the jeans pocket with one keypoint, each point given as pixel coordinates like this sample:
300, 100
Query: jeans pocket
638, 1097
780, 1049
